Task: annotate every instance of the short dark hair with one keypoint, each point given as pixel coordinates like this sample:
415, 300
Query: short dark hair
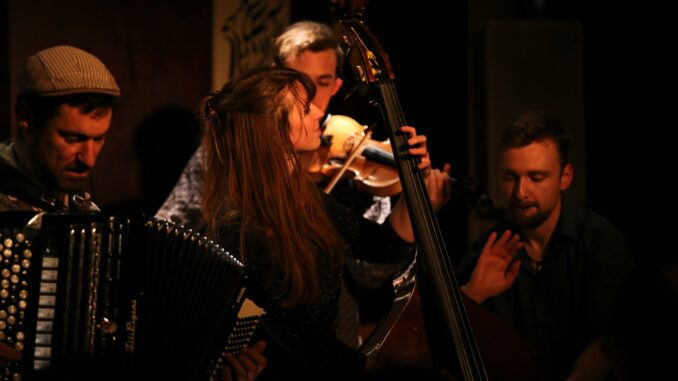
531, 126
44, 108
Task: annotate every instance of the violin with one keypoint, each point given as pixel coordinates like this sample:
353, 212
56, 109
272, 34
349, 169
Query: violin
348, 151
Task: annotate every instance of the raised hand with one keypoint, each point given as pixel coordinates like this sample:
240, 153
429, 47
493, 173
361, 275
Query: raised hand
496, 269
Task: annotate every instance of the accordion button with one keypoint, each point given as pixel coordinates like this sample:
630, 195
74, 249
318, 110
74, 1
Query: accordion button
14, 279
23, 294
3, 314
22, 304
11, 320
25, 263
28, 253
5, 273
41, 364
4, 293
45, 313
20, 336
3, 325
8, 242
43, 339
19, 237
7, 253
49, 275
16, 377
4, 283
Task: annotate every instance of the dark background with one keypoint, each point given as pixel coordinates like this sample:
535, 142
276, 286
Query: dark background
160, 53
628, 90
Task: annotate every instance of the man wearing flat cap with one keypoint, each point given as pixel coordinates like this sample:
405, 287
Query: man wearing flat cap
63, 112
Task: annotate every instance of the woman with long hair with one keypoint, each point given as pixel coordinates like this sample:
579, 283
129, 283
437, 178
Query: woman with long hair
261, 206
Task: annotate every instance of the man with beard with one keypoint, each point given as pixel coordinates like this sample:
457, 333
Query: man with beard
63, 113
555, 268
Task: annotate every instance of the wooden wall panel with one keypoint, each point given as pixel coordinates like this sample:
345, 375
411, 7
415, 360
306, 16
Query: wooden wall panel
160, 54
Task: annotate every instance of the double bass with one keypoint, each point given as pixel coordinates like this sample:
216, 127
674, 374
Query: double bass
373, 73
371, 67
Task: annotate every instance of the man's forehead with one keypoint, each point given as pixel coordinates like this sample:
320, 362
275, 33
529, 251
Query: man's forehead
316, 64
70, 120
533, 158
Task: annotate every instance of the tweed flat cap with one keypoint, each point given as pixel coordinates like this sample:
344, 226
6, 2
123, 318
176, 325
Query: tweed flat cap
65, 70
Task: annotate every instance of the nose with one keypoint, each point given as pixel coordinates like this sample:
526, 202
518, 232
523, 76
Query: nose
87, 153
316, 112
519, 189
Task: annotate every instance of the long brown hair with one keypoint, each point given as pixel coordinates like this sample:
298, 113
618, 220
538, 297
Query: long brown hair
253, 178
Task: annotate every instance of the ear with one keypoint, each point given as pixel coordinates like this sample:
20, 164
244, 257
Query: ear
23, 116
566, 177
337, 85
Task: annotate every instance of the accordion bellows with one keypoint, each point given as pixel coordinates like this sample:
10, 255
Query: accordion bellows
143, 297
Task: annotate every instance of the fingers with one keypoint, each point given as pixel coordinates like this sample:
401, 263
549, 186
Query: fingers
425, 165
439, 189
489, 243
501, 248
226, 374
417, 147
504, 247
255, 355
246, 366
235, 368
512, 272
409, 130
508, 245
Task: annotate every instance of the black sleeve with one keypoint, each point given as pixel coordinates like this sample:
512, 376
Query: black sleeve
304, 352
368, 240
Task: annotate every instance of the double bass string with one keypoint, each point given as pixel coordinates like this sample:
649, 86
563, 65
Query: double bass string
470, 362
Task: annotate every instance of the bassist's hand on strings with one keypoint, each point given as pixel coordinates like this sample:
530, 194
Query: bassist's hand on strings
247, 365
417, 147
437, 180
496, 269
439, 190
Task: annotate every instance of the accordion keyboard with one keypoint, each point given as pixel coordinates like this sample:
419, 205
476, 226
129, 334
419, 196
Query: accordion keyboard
128, 290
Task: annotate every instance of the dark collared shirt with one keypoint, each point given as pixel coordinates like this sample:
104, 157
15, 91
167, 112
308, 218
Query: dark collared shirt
568, 300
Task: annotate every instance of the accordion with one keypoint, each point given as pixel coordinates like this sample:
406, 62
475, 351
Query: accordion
135, 295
